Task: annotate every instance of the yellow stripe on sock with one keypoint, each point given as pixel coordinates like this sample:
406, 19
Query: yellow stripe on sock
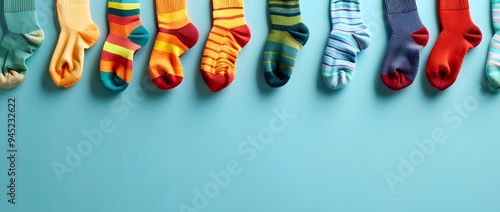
281, 55
168, 47
286, 21
124, 6
173, 17
119, 50
277, 38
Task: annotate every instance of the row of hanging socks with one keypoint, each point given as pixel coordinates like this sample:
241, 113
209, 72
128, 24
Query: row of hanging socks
230, 34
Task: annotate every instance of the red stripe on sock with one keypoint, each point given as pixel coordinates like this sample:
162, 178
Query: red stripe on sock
123, 20
108, 56
228, 8
228, 18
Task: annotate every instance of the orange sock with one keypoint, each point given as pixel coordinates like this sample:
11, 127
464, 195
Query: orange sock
228, 36
78, 32
176, 35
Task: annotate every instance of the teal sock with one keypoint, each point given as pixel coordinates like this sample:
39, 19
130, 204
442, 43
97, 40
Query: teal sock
24, 36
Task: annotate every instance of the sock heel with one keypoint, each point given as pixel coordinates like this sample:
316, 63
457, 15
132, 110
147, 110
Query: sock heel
139, 36
473, 36
363, 38
242, 35
299, 32
35, 38
421, 36
90, 34
188, 35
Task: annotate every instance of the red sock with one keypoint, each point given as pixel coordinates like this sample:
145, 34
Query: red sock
459, 34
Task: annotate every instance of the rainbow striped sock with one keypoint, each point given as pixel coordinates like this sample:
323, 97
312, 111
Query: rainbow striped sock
493, 64
228, 36
287, 36
176, 35
349, 36
127, 35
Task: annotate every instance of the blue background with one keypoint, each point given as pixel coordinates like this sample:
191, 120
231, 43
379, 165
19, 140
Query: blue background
333, 155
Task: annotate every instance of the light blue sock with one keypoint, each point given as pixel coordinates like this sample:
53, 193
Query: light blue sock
348, 37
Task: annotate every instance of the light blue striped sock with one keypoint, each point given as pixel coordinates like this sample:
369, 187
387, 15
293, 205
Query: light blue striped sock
493, 64
349, 36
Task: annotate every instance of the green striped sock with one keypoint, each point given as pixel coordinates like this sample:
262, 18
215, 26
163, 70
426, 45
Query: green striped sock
287, 36
24, 36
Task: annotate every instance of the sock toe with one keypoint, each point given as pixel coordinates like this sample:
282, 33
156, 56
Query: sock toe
338, 80
493, 81
113, 82
396, 80
275, 75
167, 81
11, 79
67, 80
218, 81
276, 81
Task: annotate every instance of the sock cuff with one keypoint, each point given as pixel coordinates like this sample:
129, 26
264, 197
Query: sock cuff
284, 5
400, 6
170, 6
345, 5
218, 4
66, 2
453, 4
495, 1
19, 5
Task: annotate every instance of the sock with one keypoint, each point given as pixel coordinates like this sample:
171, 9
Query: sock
287, 36
176, 35
349, 36
458, 36
408, 37
228, 36
126, 36
78, 32
24, 36
493, 64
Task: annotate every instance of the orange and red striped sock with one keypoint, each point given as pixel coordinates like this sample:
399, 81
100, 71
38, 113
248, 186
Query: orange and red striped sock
176, 35
228, 36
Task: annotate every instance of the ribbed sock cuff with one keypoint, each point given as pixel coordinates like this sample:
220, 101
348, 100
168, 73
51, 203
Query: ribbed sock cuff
19, 5
285, 5
400, 6
66, 2
453, 4
218, 4
169, 6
